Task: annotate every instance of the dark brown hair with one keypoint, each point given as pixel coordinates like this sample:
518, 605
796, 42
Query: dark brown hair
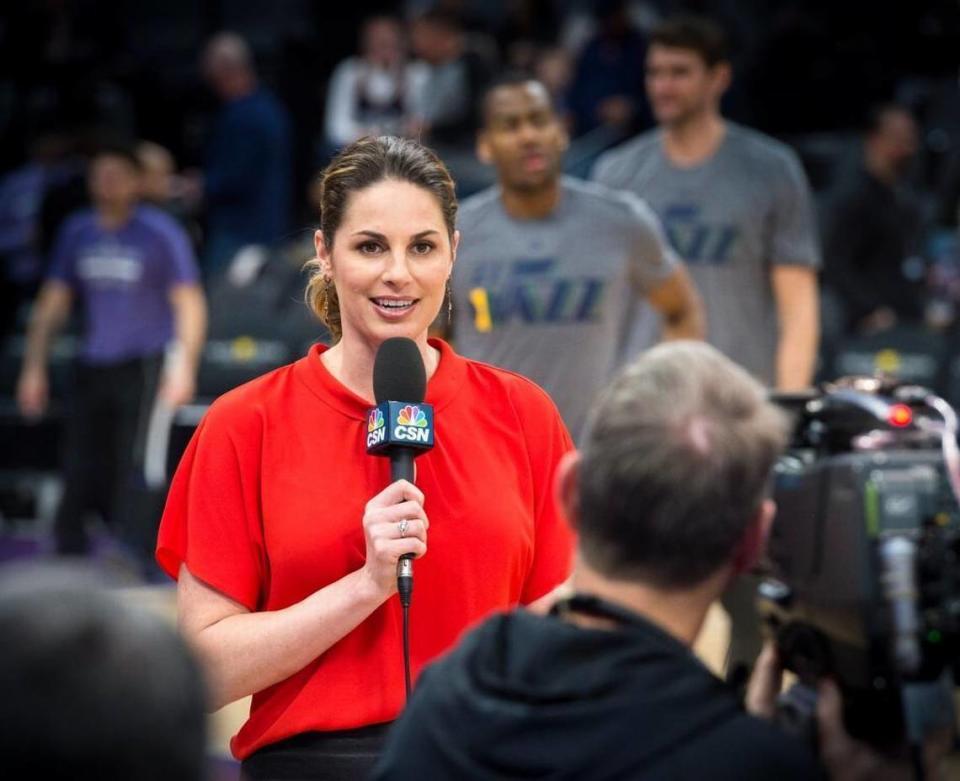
356, 167
697, 33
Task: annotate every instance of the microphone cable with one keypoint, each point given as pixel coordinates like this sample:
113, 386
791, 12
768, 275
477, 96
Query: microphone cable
405, 590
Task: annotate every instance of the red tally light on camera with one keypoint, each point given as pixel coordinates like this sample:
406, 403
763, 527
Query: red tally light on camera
900, 415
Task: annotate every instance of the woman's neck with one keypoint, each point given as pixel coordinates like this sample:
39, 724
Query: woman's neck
351, 360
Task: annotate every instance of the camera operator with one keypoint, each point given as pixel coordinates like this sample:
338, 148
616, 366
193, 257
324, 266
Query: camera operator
669, 497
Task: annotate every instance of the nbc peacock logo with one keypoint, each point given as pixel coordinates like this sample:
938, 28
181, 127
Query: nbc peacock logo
375, 420
412, 416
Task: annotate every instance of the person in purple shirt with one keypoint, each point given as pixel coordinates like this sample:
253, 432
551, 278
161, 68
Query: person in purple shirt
132, 270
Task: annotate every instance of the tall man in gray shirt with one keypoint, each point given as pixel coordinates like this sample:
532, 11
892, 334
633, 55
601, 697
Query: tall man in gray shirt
549, 268
736, 206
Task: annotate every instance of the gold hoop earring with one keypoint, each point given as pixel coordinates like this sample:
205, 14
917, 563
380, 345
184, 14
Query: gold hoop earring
449, 302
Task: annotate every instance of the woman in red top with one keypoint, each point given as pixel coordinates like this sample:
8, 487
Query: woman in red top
284, 534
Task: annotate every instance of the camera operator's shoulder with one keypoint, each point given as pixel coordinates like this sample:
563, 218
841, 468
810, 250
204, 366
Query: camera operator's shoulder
746, 748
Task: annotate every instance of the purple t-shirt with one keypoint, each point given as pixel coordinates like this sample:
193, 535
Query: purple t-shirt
122, 279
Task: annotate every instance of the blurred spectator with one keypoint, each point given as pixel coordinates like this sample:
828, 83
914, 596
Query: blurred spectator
737, 208
160, 186
526, 27
21, 199
607, 89
377, 93
735, 203
132, 270
247, 176
523, 293
456, 79
872, 228
553, 68
93, 688
157, 170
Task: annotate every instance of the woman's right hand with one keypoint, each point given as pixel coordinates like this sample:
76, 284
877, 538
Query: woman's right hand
400, 501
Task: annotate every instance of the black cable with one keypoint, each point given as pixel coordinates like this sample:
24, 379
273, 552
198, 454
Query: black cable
405, 592
406, 649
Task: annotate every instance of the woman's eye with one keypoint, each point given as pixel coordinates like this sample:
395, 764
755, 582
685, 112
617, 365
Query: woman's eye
422, 247
369, 248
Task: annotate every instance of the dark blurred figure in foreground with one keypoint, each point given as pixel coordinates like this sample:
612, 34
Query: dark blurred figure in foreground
92, 688
246, 186
872, 229
131, 270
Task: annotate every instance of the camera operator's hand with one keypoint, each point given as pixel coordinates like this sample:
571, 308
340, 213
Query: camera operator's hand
765, 683
847, 759
844, 758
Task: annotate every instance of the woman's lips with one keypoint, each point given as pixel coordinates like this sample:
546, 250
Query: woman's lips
394, 308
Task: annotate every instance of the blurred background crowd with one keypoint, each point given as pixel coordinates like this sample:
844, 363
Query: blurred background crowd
232, 111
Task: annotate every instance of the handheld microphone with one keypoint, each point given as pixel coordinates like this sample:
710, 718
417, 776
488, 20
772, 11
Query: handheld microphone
401, 425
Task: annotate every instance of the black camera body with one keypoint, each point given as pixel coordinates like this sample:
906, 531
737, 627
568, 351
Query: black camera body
865, 556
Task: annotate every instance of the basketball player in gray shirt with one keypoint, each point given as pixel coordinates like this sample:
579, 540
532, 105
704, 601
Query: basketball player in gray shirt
549, 268
735, 206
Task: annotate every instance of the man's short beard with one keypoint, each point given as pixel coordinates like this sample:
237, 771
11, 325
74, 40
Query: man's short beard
531, 188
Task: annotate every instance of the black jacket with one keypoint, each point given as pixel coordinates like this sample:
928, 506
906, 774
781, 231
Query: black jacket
528, 697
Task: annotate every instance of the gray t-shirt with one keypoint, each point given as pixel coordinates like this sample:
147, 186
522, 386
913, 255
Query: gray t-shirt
731, 219
552, 298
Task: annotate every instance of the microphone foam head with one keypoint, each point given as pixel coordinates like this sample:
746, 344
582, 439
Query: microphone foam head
398, 372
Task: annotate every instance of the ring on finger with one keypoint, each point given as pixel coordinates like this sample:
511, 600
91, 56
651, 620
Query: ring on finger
403, 527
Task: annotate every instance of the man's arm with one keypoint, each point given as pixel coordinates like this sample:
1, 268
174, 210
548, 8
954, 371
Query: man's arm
190, 327
679, 304
49, 313
798, 312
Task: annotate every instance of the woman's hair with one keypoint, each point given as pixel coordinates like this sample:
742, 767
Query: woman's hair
356, 167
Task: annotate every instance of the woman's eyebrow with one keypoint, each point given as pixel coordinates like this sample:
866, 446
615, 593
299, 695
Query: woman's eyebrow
381, 237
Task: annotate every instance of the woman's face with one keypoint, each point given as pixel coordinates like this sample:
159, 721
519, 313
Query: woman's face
390, 261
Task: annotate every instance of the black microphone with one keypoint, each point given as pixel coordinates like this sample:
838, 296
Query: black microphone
401, 425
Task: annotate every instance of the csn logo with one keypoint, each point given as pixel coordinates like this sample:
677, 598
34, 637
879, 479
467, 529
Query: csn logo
411, 425
376, 431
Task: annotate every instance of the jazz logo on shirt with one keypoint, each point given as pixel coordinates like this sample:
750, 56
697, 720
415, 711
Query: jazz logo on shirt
698, 241
533, 291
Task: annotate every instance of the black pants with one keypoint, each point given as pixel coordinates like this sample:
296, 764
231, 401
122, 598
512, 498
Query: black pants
103, 447
318, 756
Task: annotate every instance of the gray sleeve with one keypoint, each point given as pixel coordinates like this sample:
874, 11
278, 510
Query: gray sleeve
610, 171
794, 239
652, 258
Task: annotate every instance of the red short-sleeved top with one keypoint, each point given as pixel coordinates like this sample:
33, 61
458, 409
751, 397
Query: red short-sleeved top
266, 507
